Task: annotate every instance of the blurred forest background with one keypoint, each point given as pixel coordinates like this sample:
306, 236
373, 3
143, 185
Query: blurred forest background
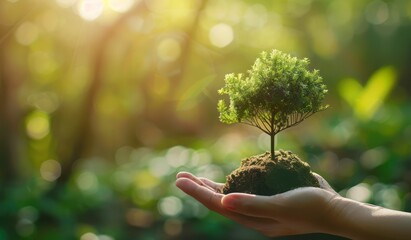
102, 102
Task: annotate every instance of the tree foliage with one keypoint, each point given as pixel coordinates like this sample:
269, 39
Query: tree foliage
277, 93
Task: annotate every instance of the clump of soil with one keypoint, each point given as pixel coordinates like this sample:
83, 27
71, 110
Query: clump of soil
262, 175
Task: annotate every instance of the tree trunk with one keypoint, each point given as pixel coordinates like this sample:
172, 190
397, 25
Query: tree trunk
272, 145
272, 135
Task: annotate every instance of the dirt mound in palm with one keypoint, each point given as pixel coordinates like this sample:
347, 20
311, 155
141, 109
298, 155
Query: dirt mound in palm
262, 175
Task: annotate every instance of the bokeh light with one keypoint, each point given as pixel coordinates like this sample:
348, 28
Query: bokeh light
38, 125
170, 206
90, 9
89, 236
103, 102
27, 33
221, 35
139, 218
93, 236
105, 237
159, 167
177, 156
66, 3
360, 192
25, 227
387, 196
256, 16
120, 5
145, 180
173, 227
374, 157
44, 101
169, 50
42, 63
377, 12
299, 7
28, 212
50, 170
87, 182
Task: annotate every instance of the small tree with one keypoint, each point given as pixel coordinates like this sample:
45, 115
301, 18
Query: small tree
277, 93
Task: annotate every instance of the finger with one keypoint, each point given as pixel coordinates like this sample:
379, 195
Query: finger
185, 175
195, 179
212, 201
251, 205
323, 183
216, 186
201, 193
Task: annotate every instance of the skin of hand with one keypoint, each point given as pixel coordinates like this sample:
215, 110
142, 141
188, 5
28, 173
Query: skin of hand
300, 211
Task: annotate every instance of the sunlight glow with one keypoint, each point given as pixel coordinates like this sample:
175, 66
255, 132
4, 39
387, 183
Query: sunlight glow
120, 5
90, 9
65, 3
221, 35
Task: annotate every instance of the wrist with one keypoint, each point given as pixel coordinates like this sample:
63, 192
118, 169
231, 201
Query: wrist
348, 218
358, 221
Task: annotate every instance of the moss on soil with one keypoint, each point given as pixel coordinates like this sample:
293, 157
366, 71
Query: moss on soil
263, 176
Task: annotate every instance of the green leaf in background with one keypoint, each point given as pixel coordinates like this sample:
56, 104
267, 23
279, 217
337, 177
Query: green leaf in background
365, 101
349, 90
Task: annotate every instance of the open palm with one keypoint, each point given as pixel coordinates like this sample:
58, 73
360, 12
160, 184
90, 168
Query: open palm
299, 211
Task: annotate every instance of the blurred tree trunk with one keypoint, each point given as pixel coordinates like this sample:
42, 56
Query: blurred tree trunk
183, 61
9, 118
84, 130
178, 72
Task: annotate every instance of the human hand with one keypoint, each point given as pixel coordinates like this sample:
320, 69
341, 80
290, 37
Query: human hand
299, 211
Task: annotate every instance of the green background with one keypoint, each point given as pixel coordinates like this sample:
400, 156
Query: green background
102, 102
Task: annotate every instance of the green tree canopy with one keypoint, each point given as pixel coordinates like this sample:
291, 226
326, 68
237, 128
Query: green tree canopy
277, 93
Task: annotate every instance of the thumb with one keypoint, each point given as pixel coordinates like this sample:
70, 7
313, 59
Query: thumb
250, 205
323, 183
